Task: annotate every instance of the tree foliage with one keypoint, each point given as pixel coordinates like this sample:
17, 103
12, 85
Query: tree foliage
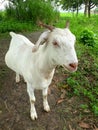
75, 5
31, 10
71, 4
89, 4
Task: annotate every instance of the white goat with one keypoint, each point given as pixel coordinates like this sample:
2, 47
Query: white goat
37, 68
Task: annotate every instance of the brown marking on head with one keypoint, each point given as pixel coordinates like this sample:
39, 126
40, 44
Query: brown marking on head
35, 48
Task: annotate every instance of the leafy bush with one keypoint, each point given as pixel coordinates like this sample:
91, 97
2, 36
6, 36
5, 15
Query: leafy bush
12, 25
87, 38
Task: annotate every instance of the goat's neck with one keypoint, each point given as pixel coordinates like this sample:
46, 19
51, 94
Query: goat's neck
46, 64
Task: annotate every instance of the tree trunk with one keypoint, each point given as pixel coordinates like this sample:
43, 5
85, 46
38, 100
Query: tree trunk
77, 9
85, 10
89, 8
86, 7
77, 12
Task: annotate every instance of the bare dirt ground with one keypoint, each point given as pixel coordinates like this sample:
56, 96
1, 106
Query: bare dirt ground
65, 114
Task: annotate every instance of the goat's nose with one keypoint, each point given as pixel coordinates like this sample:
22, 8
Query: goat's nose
73, 65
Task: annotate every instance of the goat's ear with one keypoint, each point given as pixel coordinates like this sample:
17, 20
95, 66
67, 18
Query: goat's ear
46, 26
42, 39
35, 48
67, 24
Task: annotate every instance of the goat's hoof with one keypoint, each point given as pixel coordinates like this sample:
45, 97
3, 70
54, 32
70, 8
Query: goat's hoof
17, 79
47, 108
34, 116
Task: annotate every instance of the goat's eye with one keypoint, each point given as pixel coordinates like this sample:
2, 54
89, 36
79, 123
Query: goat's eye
55, 43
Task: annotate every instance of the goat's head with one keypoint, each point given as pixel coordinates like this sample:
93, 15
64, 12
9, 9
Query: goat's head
60, 44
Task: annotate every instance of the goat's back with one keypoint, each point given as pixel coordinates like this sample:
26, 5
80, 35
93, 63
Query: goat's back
19, 50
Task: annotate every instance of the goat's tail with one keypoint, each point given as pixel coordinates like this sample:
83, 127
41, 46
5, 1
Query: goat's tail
12, 34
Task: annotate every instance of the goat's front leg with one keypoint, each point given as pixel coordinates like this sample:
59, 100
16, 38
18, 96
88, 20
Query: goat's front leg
30, 91
45, 102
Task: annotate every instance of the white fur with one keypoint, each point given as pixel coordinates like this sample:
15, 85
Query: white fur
37, 68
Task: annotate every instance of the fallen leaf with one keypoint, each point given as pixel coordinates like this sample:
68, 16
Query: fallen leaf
84, 125
70, 127
87, 111
60, 101
95, 128
0, 111
71, 100
74, 111
63, 93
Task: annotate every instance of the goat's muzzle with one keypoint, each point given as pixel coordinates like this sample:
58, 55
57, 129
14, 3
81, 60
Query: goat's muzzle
72, 67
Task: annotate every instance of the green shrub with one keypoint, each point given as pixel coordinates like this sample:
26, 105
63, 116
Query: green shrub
2, 15
17, 26
87, 38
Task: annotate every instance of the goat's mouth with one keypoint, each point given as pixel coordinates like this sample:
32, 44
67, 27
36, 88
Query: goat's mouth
70, 69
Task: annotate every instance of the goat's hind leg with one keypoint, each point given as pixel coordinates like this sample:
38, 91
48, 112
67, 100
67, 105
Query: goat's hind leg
30, 91
17, 78
45, 102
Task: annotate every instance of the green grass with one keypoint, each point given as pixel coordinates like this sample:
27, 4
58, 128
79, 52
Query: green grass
78, 24
84, 82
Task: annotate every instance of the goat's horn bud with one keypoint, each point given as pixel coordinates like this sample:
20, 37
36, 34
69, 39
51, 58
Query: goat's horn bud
46, 26
67, 24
